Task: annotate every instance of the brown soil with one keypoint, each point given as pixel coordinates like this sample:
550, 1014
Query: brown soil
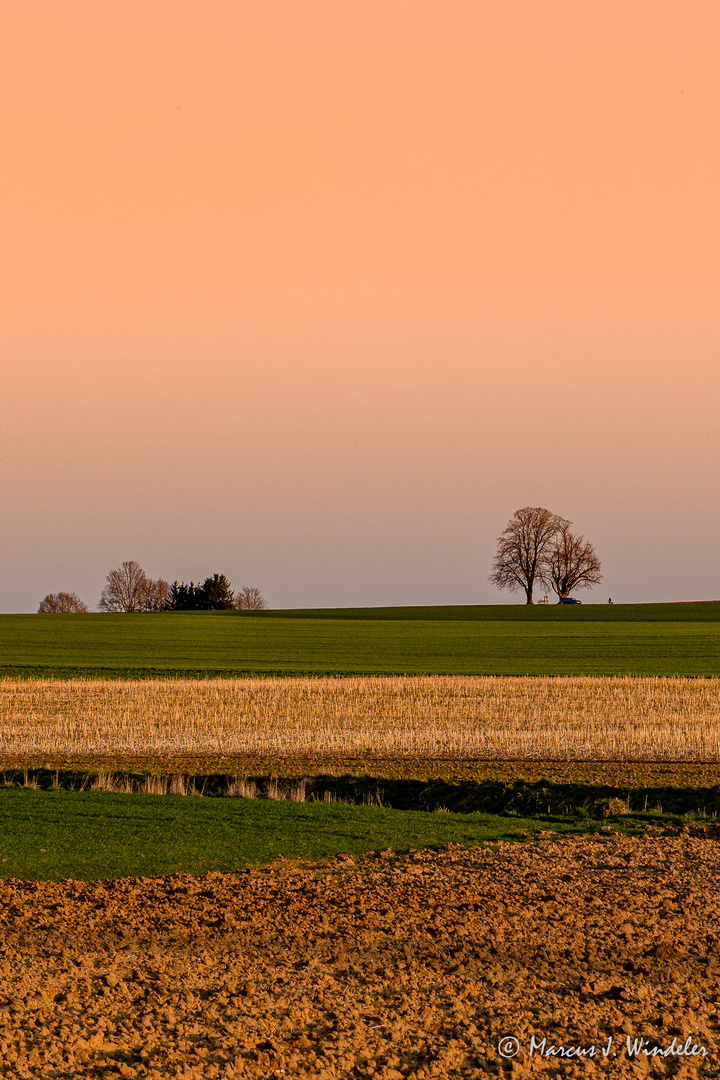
390, 967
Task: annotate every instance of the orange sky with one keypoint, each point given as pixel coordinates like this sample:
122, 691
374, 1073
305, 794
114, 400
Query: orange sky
317, 294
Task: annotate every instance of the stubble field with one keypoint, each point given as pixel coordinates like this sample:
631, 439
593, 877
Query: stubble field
471, 717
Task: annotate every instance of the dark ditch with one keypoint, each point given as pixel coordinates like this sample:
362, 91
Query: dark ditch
522, 798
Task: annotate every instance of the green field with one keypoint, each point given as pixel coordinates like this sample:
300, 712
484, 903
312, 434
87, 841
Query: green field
637, 639
50, 835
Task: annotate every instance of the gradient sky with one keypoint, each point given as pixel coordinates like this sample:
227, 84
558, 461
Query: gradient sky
316, 294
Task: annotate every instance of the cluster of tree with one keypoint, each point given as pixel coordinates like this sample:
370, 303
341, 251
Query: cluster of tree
537, 547
215, 594
130, 589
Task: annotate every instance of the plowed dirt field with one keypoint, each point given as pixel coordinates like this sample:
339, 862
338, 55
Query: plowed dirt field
390, 966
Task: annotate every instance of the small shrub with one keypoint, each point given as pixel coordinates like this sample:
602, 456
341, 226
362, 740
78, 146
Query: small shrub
177, 785
242, 789
155, 785
103, 782
612, 807
297, 791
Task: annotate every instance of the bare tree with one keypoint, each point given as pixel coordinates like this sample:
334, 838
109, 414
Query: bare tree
157, 595
250, 599
571, 563
522, 548
126, 589
65, 602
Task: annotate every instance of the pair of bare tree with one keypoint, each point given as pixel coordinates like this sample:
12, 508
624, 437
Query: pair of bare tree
127, 589
537, 547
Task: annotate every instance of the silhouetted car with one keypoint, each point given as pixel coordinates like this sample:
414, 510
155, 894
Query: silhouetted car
569, 600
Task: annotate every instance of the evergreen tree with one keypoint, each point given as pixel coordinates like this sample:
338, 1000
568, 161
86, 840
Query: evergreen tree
185, 597
217, 593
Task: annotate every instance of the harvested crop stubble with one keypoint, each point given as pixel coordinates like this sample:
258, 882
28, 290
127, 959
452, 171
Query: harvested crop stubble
399, 968
436, 716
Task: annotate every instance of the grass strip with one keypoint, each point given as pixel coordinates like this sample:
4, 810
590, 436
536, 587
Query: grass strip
52, 835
